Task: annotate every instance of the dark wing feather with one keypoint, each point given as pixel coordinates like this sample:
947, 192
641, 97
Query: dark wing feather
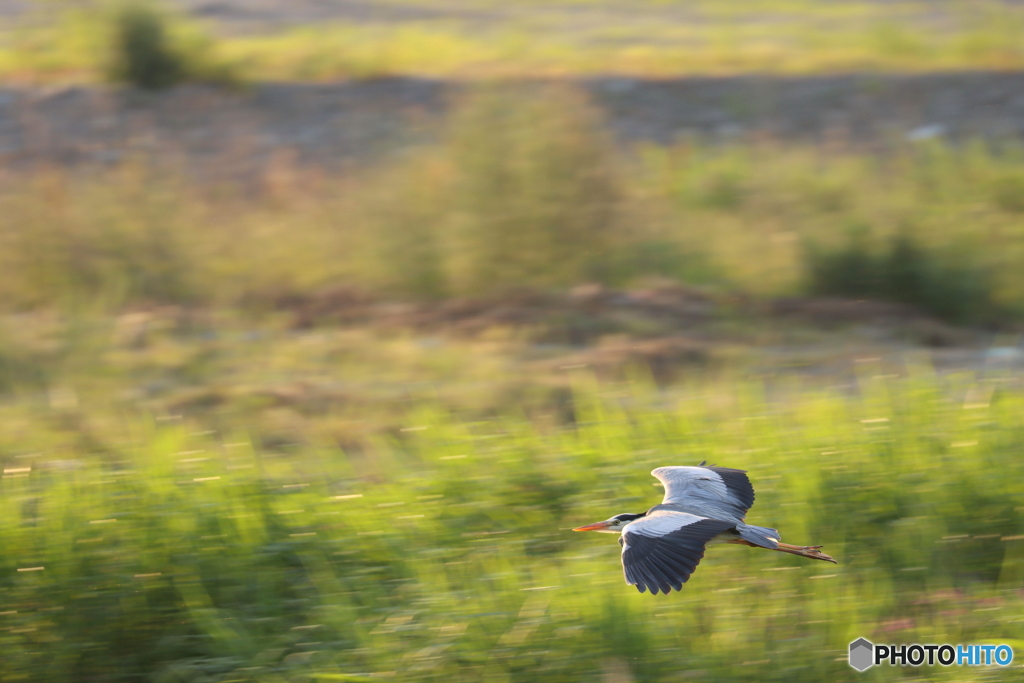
661, 551
737, 483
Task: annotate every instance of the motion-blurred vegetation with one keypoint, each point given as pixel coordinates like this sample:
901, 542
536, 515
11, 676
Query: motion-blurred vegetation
526, 191
71, 41
181, 549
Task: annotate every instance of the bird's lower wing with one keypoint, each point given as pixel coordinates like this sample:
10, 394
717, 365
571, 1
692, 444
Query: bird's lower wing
660, 552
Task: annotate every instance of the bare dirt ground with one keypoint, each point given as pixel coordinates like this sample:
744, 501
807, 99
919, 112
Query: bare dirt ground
336, 124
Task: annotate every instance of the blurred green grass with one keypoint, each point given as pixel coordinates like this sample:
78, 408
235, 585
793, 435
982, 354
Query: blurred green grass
64, 42
166, 551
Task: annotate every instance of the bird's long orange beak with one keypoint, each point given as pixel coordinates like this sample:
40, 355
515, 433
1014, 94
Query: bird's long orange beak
597, 526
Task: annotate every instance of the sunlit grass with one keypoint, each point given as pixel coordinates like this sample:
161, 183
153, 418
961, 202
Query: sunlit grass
163, 549
565, 39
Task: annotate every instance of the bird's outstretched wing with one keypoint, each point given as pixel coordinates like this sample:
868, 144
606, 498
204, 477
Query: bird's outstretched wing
718, 492
661, 550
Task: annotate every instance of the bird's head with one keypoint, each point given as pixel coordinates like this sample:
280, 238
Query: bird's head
613, 525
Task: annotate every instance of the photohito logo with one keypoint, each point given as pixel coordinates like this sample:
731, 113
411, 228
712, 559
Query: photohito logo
865, 654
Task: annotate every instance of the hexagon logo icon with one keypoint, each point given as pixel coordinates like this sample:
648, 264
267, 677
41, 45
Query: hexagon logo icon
861, 654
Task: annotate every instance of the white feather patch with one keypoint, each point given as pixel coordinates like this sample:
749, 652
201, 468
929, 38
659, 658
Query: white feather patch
660, 523
683, 482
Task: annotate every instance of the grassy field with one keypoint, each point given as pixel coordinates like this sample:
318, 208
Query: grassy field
487, 40
180, 548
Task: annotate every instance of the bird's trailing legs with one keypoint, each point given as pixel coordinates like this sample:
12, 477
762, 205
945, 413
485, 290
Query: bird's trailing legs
810, 551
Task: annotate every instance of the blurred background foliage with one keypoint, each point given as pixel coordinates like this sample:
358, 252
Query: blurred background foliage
526, 190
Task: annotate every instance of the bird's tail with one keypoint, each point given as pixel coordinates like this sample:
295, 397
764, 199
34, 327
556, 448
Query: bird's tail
761, 536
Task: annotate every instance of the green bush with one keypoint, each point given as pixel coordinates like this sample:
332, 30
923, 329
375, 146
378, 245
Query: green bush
536, 191
145, 57
153, 50
903, 271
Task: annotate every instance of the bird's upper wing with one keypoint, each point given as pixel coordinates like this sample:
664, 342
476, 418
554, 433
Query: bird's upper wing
718, 492
661, 550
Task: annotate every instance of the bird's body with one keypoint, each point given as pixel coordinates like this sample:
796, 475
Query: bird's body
703, 506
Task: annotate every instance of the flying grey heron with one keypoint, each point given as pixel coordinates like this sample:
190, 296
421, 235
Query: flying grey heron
703, 505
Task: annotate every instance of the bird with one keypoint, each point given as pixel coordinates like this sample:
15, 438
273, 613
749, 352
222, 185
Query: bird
703, 505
